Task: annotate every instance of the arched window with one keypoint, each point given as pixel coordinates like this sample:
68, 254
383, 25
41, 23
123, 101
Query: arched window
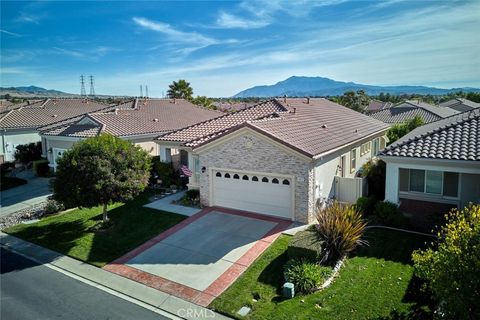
245, 177
265, 179
236, 176
275, 180
218, 174
227, 175
286, 182
254, 178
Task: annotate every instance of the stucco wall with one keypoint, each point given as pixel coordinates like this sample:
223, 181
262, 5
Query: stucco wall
262, 156
12, 139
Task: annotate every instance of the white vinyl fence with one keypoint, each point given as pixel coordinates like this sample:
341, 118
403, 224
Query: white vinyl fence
350, 189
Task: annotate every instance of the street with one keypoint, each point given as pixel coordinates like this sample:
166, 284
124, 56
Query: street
32, 291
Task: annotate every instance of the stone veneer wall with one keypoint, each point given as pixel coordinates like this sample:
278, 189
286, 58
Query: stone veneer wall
258, 155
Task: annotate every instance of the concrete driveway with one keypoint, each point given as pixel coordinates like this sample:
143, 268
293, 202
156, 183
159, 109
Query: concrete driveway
199, 258
34, 192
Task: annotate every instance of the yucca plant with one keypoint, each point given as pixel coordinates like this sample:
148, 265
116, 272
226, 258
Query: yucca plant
341, 227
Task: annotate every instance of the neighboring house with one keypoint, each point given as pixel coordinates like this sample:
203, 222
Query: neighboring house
19, 125
140, 121
279, 157
231, 107
460, 104
377, 105
406, 110
436, 166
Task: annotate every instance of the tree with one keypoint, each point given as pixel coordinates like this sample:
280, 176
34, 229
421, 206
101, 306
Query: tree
203, 101
451, 269
180, 90
399, 130
99, 171
357, 101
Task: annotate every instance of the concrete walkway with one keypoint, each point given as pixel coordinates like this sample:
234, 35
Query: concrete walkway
23, 197
171, 305
165, 204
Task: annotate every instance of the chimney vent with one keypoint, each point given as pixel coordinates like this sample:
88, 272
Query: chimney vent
174, 101
285, 98
308, 100
324, 126
116, 110
294, 110
155, 120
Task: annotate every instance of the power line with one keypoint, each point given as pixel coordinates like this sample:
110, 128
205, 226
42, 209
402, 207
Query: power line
82, 86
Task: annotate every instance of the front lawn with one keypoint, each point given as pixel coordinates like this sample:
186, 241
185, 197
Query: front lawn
71, 233
10, 182
375, 283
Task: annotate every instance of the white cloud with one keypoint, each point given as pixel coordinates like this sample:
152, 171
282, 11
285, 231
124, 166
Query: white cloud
230, 21
10, 33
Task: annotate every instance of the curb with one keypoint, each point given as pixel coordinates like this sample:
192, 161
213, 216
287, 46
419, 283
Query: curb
157, 301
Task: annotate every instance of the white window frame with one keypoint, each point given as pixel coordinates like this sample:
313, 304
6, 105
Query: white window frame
438, 195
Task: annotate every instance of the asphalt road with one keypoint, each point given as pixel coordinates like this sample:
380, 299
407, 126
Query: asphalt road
32, 291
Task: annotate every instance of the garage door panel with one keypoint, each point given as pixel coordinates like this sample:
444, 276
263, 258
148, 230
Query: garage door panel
256, 196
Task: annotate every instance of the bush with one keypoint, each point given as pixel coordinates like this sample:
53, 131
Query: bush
452, 269
26, 153
305, 245
341, 227
306, 276
366, 205
6, 167
375, 171
41, 168
53, 206
164, 171
192, 194
385, 210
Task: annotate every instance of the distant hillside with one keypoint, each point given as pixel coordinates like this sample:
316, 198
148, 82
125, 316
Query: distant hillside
33, 91
318, 86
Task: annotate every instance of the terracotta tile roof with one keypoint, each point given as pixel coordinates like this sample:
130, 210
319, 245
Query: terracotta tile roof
456, 138
311, 128
47, 112
460, 104
200, 133
376, 105
409, 109
138, 117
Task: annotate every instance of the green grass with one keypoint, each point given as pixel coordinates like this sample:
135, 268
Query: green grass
70, 233
375, 283
10, 182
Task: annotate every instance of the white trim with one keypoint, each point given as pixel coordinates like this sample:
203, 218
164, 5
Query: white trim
460, 166
257, 173
227, 137
61, 138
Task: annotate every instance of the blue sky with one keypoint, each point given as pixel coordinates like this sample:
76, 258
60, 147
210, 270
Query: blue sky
225, 47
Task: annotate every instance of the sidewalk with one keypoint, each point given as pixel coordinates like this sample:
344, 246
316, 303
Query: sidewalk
175, 307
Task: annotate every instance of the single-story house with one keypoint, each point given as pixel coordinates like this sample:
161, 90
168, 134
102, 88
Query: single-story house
406, 110
20, 125
139, 120
460, 104
279, 157
436, 166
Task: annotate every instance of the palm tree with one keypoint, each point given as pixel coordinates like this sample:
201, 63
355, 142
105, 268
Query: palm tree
180, 90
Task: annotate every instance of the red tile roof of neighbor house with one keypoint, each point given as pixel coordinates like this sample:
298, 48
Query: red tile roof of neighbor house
311, 126
137, 117
47, 112
453, 138
406, 110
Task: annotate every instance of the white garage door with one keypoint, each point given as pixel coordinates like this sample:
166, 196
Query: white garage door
266, 194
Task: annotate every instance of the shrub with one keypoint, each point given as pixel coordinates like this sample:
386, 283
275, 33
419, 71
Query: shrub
6, 167
452, 269
366, 205
29, 152
164, 171
375, 171
385, 210
305, 245
53, 206
341, 227
192, 194
41, 168
306, 276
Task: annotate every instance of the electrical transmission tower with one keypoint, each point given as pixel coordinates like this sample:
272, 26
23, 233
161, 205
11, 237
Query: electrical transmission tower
141, 91
146, 91
82, 86
92, 88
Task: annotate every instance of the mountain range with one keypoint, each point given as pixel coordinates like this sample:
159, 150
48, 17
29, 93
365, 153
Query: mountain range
318, 86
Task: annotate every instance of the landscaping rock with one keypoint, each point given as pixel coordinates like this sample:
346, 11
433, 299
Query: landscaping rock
33, 213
